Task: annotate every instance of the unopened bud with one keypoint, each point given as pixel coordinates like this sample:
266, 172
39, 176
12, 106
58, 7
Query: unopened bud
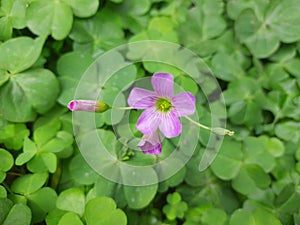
222, 131
88, 106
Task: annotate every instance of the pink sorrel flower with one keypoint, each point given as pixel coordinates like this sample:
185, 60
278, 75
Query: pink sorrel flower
162, 108
151, 144
87, 105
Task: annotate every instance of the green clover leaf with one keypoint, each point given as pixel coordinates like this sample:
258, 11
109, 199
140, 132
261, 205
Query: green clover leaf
12, 15
102, 210
104, 30
204, 23
59, 19
17, 214
6, 163
49, 141
29, 183
34, 90
258, 216
13, 135
175, 207
70, 218
72, 200
262, 33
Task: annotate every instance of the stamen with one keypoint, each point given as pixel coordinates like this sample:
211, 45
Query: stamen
163, 105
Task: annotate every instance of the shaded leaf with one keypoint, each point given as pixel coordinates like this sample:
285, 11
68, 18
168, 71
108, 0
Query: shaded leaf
41, 202
18, 214
230, 155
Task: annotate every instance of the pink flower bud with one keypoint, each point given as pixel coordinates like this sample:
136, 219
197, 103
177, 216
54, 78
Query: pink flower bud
151, 143
88, 106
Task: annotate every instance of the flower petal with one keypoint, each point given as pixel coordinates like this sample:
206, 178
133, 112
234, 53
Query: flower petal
184, 103
170, 125
151, 144
163, 84
141, 98
148, 121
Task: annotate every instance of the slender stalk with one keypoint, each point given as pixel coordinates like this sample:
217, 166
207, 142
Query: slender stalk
198, 124
121, 108
215, 130
7, 188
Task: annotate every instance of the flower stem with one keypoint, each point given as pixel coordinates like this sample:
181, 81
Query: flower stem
215, 130
198, 124
121, 108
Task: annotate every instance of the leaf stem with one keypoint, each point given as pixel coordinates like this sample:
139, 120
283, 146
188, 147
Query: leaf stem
7, 188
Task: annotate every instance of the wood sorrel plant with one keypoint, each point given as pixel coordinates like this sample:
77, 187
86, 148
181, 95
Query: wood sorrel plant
162, 109
252, 49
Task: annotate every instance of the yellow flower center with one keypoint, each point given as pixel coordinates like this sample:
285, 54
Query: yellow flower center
163, 105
